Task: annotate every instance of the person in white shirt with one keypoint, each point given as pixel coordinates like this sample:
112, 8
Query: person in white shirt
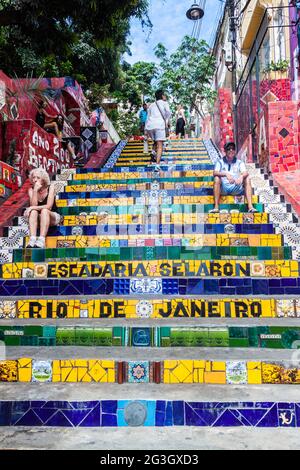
231, 178
157, 123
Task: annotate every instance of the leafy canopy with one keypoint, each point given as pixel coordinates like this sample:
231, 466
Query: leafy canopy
83, 38
186, 74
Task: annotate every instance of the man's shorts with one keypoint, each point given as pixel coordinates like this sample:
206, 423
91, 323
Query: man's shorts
229, 189
157, 135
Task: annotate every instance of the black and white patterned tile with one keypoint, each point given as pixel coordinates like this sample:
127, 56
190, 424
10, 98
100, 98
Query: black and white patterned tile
6, 256
66, 175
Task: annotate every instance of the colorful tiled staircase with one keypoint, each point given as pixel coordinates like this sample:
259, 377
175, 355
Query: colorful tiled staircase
140, 286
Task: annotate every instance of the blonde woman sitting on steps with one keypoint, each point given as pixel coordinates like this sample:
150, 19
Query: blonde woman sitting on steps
42, 209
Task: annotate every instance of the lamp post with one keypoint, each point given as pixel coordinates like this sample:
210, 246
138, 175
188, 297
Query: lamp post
195, 13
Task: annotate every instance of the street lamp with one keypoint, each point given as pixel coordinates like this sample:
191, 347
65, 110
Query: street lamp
195, 13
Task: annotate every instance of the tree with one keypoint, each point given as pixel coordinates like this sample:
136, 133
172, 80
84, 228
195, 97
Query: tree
79, 37
186, 74
135, 83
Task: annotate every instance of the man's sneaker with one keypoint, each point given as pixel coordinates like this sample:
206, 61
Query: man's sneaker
31, 243
214, 211
40, 243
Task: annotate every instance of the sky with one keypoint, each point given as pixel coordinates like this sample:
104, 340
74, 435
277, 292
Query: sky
170, 25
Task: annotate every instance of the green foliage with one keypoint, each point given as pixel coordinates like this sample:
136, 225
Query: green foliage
125, 121
279, 66
186, 74
135, 83
82, 38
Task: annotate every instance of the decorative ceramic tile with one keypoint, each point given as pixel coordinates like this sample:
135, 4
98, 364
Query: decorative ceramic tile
8, 309
138, 372
236, 372
41, 371
146, 286
291, 234
144, 309
6, 256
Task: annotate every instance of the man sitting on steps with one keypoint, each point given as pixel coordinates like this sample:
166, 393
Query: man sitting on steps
231, 179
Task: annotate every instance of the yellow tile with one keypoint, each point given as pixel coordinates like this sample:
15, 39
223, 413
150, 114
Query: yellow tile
215, 377
111, 376
166, 378
81, 371
72, 376
25, 373
199, 365
65, 372
170, 364
108, 364
254, 377
218, 366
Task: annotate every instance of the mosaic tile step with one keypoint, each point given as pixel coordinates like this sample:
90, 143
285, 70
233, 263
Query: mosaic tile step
153, 183
150, 169
185, 208
150, 186
147, 308
164, 162
147, 254
181, 240
201, 371
177, 158
150, 199
165, 268
270, 337
163, 167
143, 229
142, 413
134, 174
264, 196
151, 286
163, 413
165, 217
128, 193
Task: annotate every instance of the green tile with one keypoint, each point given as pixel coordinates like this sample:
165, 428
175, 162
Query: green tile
65, 336
33, 330
238, 332
29, 340
218, 337
84, 336
47, 341
49, 331
238, 342
103, 337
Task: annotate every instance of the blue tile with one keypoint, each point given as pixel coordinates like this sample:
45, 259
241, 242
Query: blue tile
260, 287
178, 413
109, 406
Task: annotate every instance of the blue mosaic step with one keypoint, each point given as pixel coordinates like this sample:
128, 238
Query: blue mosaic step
160, 413
143, 208
151, 286
147, 168
136, 194
160, 229
151, 253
